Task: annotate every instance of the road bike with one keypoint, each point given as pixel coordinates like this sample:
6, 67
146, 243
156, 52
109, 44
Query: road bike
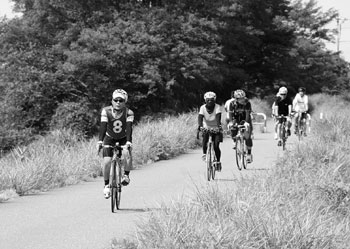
241, 147
282, 131
120, 153
210, 157
301, 125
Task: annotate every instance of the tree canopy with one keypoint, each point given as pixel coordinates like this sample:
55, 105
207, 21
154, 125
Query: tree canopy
164, 53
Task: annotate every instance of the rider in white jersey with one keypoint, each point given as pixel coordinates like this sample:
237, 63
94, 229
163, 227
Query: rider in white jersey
300, 106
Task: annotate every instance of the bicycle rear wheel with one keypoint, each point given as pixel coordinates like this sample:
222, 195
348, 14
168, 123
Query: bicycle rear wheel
239, 152
209, 161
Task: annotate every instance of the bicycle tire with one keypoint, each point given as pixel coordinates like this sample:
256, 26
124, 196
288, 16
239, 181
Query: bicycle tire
113, 187
209, 162
244, 154
118, 187
284, 138
238, 153
213, 167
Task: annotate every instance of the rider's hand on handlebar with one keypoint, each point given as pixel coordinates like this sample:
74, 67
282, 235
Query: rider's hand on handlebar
99, 146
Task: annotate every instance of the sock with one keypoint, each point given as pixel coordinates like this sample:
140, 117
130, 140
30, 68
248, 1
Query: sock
249, 151
126, 173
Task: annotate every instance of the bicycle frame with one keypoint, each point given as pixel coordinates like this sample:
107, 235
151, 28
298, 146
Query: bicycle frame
301, 124
241, 148
115, 175
281, 128
210, 153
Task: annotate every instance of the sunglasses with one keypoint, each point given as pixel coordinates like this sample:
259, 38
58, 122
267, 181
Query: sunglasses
119, 100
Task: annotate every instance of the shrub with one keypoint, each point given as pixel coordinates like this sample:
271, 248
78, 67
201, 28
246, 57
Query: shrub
75, 116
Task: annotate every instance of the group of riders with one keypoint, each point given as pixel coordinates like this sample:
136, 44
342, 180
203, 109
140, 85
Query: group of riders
239, 112
117, 120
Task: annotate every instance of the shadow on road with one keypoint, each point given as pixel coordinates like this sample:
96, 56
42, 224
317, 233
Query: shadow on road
137, 210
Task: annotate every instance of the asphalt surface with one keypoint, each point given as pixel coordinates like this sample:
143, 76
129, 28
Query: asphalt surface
79, 217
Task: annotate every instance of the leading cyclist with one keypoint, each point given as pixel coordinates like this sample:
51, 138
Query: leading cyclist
210, 117
240, 113
116, 126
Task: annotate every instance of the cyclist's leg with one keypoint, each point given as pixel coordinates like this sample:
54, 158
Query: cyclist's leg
276, 128
127, 165
216, 139
296, 116
107, 157
249, 143
205, 144
289, 125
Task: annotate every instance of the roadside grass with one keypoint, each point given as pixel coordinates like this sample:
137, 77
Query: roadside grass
303, 203
64, 158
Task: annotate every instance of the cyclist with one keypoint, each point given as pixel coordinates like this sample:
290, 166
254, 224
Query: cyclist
116, 126
300, 106
282, 106
210, 117
227, 105
240, 113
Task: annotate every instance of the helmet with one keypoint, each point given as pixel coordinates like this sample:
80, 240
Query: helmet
239, 94
283, 90
302, 89
209, 95
120, 93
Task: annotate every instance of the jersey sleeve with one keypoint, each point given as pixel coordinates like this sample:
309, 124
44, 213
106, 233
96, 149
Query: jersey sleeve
104, 117
130, 116
201, 110
218, 109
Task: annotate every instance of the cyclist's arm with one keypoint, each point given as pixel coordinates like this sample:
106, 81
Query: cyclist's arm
200, 120
306, 103
103, 129
218, 119
247, 113
129, 122
103, 125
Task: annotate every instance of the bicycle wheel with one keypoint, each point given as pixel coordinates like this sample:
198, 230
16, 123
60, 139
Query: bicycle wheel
209, 162
213, 166
113, 186
239, 153
284, 138
119, 186
244, 154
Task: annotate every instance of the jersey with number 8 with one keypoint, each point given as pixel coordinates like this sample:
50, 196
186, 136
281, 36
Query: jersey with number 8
116, 123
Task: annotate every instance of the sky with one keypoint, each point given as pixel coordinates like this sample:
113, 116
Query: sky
343, 6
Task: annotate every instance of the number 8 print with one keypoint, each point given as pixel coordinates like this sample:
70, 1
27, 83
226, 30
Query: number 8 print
117, 126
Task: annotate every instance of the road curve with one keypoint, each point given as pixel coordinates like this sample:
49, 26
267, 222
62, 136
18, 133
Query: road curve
79, 217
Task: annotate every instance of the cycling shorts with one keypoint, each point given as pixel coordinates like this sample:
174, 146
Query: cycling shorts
108, 152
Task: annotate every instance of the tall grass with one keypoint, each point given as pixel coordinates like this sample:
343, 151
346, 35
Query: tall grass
303, 203
64, 158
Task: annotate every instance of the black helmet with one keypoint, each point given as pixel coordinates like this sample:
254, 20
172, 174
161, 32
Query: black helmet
302, 89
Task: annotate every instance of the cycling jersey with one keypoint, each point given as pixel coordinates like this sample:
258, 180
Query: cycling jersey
209, 120
283, 105
240, 111
300, 104
116, 122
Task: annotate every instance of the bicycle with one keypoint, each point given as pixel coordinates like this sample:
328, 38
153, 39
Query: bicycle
282, 131
241, 147
210, 154
116, 173
301, 125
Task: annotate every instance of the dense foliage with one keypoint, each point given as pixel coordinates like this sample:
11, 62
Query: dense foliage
166, 54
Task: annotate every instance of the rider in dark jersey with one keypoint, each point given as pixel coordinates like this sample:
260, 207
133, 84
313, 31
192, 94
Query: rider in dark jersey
116, 126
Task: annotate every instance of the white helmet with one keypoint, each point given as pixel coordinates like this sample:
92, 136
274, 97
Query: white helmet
209, 95
120, 93
283, 90
239, 94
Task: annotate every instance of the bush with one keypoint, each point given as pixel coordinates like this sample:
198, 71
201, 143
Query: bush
75, 116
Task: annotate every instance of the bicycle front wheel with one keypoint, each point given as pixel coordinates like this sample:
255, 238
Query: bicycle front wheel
119, 187
113, 186
284, 137
239, 153
244, 154
209, 161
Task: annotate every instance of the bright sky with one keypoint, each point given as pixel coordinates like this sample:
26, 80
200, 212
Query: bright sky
343, 6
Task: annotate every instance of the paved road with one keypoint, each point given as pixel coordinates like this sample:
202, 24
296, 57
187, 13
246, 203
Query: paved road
79, 217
